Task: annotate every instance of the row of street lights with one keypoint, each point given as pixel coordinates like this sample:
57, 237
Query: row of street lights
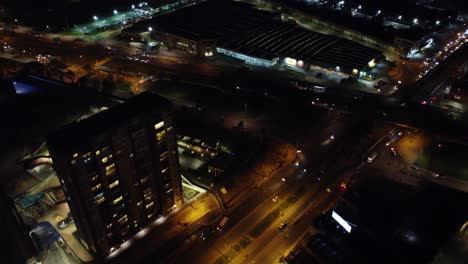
116, 12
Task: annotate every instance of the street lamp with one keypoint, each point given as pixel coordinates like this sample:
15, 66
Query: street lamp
133, 6
150, 29
95, 18
415, 21
116, 12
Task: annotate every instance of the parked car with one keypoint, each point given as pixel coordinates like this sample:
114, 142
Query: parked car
65, 222
282, 226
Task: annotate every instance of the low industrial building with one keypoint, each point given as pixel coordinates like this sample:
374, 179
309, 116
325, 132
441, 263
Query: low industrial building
300, 48
258, 37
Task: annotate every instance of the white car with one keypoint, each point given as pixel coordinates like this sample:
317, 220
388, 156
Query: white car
372, 157
275, 199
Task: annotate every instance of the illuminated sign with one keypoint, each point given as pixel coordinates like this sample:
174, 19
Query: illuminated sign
290, 61
413, 51
300, 63
341, 221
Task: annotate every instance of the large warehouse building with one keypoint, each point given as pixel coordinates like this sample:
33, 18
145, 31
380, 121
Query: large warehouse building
258, 38
298, 47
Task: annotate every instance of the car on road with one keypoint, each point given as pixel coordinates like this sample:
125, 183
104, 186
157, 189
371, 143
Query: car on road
275, 199
222, 223
65, 222
282, 226
372, 157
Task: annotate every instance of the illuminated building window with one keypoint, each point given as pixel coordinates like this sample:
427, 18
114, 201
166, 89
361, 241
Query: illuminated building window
98, 152
109, 226
115, 183
144, 180
139, 203
100, 200
150, 215
182, 44
122, 220
169, 128
109, 167
75, 155
149, 205
105, 159
147, 197
96, 187
72, 162
98, 196
118, 200
94, 178
164, 170
159, 125
160, 135
248, 59
110, 173
109, 234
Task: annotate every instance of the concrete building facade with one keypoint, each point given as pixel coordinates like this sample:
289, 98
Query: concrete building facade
119, 170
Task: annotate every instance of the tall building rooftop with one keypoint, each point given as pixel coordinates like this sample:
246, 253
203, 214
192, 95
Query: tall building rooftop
146, 102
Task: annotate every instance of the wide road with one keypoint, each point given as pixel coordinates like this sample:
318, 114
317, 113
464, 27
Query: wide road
202, 211
276, 243
252, 229
300, 186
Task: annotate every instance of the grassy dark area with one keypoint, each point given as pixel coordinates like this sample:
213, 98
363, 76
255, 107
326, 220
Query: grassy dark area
261, 226
449, 159
265, 223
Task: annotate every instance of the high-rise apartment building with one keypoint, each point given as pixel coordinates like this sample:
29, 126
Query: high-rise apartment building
119, 169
